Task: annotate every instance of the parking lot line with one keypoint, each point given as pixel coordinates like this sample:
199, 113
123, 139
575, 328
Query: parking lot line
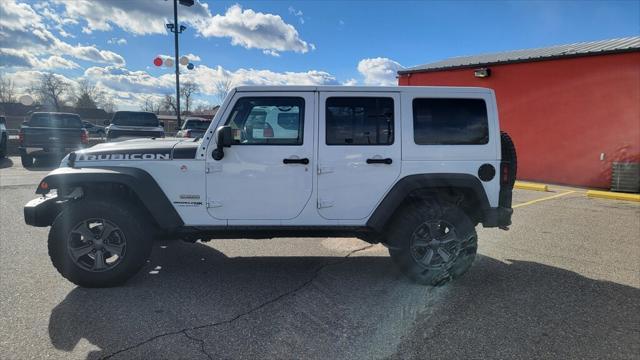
544, 199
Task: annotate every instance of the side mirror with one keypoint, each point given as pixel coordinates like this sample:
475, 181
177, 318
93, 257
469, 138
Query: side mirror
162, 123
224, 138
106, 122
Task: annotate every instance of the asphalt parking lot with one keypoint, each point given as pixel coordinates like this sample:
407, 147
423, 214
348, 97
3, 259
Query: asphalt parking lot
564, 282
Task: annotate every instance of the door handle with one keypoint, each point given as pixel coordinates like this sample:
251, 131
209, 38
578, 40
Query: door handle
304, 161
387, 161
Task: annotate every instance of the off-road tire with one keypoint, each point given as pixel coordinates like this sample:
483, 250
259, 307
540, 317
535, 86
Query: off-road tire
27, 161
128, 220
410, 219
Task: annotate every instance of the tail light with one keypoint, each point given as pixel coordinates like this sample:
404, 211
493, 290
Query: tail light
21, 137
504, 173
84, 137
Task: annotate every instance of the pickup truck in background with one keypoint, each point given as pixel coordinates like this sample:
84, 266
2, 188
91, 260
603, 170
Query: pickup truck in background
134, 124
50, 134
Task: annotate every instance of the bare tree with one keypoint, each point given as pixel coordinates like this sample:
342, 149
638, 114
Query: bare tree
169, 103
151, 105
186, 92
222, 88
107, 104
89, 95
7, 90
50, 89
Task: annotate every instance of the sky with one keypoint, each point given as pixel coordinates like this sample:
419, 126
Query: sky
112, 43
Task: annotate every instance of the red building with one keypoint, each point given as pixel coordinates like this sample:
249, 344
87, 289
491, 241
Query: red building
572, 110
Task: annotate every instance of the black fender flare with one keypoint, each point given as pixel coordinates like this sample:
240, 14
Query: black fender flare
138, 180
409, 184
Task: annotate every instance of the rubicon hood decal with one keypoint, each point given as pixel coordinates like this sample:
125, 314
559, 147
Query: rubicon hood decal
124, 156
136, 150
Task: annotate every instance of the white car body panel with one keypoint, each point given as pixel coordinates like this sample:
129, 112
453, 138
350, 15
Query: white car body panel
251, 185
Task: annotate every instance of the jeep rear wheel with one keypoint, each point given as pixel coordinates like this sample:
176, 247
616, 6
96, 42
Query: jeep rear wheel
94, 243
432, 243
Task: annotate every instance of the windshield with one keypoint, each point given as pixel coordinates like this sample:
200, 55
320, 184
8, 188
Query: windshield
196, 125
55, 120
127, 118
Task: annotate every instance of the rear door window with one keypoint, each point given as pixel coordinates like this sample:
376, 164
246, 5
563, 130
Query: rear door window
359, 121
440, 121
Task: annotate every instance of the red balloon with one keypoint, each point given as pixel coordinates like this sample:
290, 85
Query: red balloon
157, 61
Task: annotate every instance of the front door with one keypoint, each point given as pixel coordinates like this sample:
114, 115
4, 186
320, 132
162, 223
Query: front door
266, 174
359, 152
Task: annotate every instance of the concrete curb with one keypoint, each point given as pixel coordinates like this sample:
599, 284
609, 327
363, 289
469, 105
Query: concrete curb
531, 186
613, 195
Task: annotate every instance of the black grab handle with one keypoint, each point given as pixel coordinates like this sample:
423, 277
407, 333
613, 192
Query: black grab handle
296, 161
387, 161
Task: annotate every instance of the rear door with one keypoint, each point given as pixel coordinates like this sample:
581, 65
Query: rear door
359, 152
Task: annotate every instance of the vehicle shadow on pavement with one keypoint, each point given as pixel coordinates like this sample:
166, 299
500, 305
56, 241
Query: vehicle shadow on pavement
333, 307
5, 163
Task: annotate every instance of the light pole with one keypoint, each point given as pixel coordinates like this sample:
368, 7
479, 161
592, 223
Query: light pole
177, 30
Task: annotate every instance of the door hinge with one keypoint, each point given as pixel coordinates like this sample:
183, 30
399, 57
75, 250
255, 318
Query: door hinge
214, 204
211, 168
324, 203
324, 170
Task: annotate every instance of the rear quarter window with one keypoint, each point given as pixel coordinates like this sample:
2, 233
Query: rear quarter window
438, 121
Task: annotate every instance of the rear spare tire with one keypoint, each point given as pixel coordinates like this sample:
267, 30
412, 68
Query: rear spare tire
432, 242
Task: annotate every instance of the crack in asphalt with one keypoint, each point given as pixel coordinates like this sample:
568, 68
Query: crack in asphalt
315, 275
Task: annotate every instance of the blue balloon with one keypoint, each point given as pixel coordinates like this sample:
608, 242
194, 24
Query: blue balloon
190, 66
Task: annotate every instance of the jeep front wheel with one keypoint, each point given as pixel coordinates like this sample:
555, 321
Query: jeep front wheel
95, 243
431, 242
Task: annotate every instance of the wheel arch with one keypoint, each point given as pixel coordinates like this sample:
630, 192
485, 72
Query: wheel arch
148, 193
447, 185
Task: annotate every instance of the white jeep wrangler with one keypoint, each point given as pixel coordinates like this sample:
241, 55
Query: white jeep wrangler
414, 168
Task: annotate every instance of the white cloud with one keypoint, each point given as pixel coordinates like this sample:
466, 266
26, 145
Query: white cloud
297, 13
57, 62
350, 82
193, 57
245, 27
140, 17
116, 41
254, 30
379, 71
23, 58
24, 34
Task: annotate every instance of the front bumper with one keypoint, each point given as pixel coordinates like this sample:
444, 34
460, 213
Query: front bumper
497, 217
42, 211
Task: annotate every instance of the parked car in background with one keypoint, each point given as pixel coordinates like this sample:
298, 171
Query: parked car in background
4, 138
93, 129
193, 127
134, 124
50, 133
